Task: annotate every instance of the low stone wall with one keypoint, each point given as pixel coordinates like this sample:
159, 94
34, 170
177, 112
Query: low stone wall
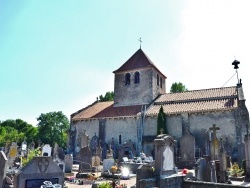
170, 182
200, 184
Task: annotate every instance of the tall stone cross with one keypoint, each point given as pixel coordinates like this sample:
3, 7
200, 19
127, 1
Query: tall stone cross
214, 129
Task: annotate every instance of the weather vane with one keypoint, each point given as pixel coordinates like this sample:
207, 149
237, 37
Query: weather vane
236, 63
140, 42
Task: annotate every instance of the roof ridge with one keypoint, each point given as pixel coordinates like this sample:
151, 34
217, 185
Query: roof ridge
202, 90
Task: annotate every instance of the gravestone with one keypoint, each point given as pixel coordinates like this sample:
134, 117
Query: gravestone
58, 152
187, 151
85, 156
201, 169
24, 148
98, 151
247, 155
68, 160
59, 162
228, 147
38, 170
13, 154
164, 155
107, 163
215, 144
32, 145
109, 153
125, 150
46, 150
84, 139
96, 161
3, 167
241, 152
114, 146
94, 143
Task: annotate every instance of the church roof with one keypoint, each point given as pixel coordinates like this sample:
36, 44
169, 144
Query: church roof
136, 61
215, 99
105, 110
205, 100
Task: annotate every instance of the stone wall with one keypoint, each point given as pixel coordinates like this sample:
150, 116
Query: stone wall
132, 94
124, 127
114, 127
200, 184
137, 94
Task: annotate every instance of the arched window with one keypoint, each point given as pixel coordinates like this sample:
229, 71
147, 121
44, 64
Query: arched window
161, 82
127, 79
137, 77
157, 79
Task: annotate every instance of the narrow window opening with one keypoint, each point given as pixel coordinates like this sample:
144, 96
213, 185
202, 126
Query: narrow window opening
127, 79
157, 79
137, 78
161, 82
120, 139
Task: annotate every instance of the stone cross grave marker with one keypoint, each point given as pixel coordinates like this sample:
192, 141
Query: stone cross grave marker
46, 150
38, 170
215, 142
3, 167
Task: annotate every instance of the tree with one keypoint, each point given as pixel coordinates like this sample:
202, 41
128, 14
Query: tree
109, 96
161, 122
17, 131
178, 88
53, 127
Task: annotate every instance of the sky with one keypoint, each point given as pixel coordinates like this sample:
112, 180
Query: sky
59, 55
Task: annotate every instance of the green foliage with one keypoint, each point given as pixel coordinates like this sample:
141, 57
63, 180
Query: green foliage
178, 88
161, 122
16, 131
104, 185
31, 155
109, 96
53, 127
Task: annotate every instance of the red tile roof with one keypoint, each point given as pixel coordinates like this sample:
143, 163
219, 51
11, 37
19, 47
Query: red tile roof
106, 110
196, 101
216, 99
138, 60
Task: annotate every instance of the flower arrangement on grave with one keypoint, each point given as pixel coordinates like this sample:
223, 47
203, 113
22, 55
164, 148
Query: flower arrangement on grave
185, 171
235, 170
113, 169
123, 185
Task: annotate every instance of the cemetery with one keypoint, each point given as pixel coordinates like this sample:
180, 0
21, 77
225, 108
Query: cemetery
54, 166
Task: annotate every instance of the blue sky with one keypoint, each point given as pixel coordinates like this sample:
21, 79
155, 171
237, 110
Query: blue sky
59, 55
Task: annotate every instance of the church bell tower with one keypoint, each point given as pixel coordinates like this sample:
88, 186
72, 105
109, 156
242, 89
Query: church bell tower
138, 81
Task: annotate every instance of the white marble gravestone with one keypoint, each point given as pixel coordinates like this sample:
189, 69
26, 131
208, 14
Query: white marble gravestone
164, 155
46, 150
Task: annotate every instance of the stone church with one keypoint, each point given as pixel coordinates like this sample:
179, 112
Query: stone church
140, 91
